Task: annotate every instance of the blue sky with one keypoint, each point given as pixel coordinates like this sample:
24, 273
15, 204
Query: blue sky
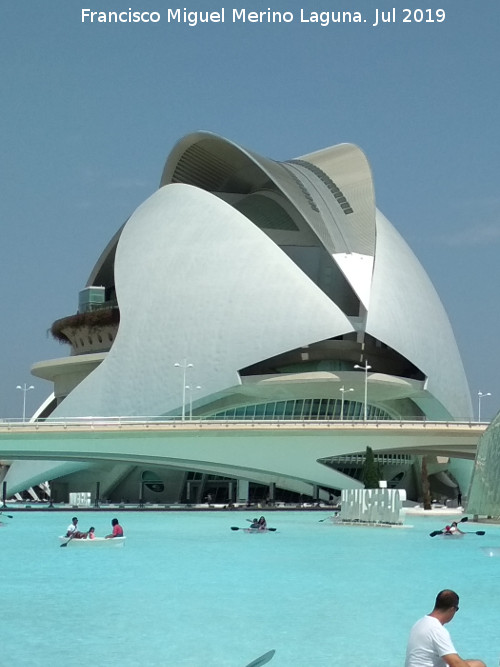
90, 112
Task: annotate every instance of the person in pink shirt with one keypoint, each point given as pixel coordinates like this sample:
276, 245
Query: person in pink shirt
117, 529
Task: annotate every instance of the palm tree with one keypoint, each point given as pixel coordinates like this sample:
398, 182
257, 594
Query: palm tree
425, 485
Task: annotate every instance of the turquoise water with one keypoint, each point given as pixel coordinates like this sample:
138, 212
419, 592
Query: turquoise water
185, 590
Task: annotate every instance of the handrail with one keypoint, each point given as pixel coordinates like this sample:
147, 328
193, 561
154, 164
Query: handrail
176, 422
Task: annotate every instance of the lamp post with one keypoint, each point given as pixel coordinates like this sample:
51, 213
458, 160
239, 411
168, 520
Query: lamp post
184, 367
25, 389
343, 391
479, 397
365, 368
190, 388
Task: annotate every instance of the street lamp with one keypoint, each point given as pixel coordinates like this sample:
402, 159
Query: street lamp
479, 397
343, 391
191, 389
184, 367
365, 368
25, 389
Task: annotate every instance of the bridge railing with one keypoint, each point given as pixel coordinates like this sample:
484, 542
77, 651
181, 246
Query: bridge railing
176, 422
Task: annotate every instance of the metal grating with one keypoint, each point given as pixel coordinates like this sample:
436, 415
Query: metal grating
333, 187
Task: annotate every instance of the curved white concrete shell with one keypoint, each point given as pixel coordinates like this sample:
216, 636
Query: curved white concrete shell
272, 280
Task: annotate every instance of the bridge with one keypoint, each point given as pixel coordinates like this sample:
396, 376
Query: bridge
255, 450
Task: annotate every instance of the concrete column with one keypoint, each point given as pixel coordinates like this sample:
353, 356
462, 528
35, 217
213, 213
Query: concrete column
315, 492
242, 491
272, 491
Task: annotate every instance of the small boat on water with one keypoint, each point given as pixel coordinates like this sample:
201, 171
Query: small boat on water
450, 536
259, 530
254, 530
97, 542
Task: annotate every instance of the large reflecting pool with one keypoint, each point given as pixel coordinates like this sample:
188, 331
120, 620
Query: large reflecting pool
186, 590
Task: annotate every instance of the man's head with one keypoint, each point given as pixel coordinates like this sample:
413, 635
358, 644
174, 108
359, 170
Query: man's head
446, 605
74, 520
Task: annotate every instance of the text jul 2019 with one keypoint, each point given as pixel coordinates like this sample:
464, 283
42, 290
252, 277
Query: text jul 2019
321, 18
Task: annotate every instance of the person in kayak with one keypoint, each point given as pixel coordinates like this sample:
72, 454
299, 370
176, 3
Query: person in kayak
73, 531
454, 529
117, 529
262, 523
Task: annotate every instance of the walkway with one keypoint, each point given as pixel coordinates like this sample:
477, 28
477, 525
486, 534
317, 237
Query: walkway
254, 450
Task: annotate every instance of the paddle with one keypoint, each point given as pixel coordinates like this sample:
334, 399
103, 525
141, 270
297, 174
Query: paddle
65, 544
9, 516
262, 660
469, 532
440, 532
272, 530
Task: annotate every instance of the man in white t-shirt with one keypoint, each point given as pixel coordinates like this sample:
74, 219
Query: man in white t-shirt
73, 531
430, 643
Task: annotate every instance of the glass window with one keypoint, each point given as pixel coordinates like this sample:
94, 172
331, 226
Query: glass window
280, 409
269, 413
260, 411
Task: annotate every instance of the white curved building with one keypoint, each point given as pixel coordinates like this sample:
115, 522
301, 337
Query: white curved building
264, 283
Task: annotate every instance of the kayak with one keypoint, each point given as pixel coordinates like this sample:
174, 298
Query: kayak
254, 530
259, 530
454, 536
96, 542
